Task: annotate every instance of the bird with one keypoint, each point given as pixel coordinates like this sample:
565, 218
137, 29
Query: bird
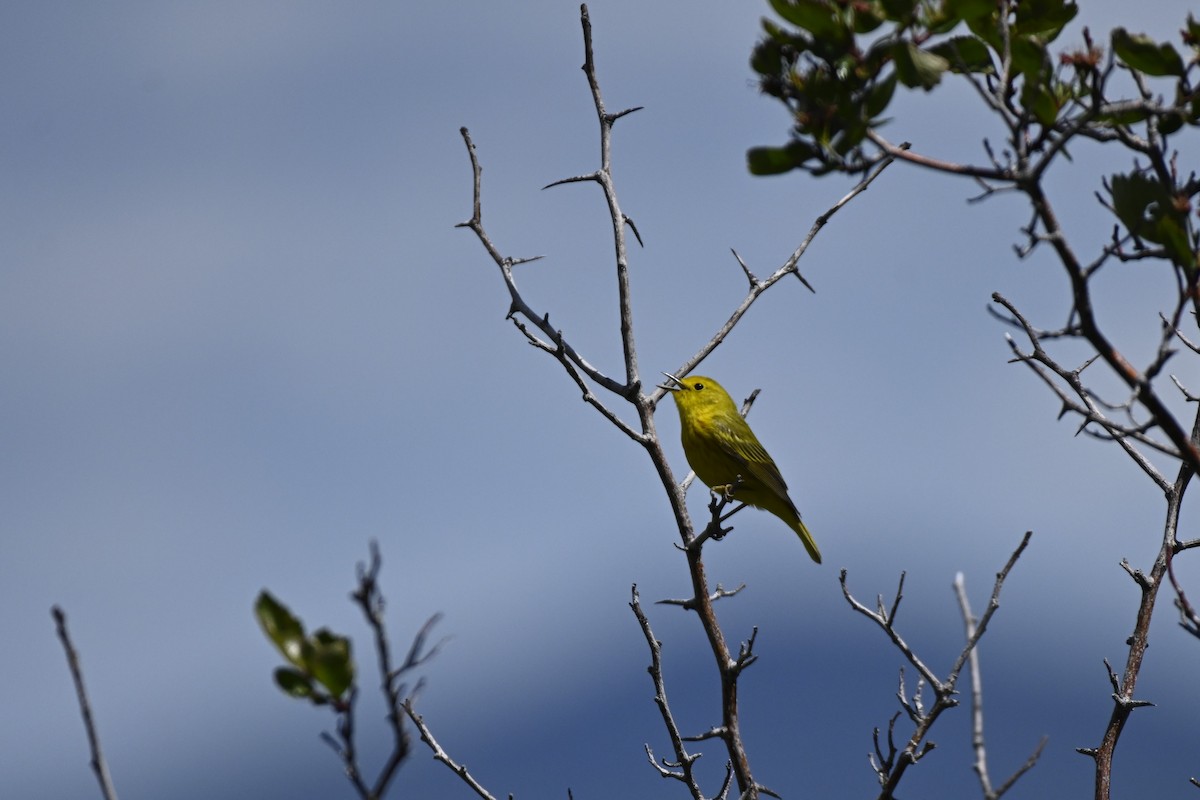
723, 451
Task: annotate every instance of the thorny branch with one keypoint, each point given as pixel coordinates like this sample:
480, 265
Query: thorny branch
1125, 685
790, 266
1189, 619
1084, 402
1143, 423
1032, 146
1079, 399
396, 694
539, 331
681, 767
891, 767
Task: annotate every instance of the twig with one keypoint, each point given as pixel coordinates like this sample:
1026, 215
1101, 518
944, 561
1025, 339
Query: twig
890, 768
757, 287
99, 765
370, 600
518, 305
1189, 620
1085, 402
541, 334
1124, 686
978, 741
440, 754
681, 768
886, 623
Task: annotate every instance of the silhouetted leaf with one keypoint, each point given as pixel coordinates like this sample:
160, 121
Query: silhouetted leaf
294, 682
1037, 97
965, 54
777, 160
879, 96
1043, 18
1191, 33
898, 10
1146, 55
330, 661
1030, 58
818, 16
916, 67
968, 9
1148, 211
866, 17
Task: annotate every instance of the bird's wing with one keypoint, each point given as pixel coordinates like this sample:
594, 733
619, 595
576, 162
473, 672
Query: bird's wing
743, 447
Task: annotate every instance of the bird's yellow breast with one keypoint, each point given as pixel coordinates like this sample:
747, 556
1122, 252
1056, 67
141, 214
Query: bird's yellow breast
707, 454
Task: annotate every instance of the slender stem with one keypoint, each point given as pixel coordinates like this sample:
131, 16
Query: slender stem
978, 742
683, 759
604, 176
1123, 697
439, 754
99, 765
1088, 324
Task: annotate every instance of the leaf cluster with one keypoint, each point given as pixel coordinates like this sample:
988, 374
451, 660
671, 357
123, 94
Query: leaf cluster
836, 64
322, 667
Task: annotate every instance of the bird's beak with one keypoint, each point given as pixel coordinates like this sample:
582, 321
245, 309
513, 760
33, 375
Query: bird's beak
675, 384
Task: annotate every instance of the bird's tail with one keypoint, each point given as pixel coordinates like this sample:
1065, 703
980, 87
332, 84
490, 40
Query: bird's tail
809, 544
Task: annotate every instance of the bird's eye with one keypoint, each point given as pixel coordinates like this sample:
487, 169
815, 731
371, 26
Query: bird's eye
697, 386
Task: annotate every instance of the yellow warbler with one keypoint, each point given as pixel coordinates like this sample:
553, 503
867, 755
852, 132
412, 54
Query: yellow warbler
726, 454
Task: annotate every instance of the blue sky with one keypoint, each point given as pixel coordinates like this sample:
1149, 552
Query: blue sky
241, 338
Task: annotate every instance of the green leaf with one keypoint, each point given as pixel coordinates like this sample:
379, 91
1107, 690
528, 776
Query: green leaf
985, 28
294, 682
899, 10
879, 96
1042, 102
1124, 117
1132, 195
866, 17
777, 160
916, 67
965, 54
968, 9
767, 57
1191, 34
1170, 123
1148, 211
817, 16
280, 626
1175, 240
1043, 18
1145, 55
330, 661
1030, 58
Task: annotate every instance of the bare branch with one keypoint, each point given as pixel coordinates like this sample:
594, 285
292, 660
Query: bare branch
683, 759
371, 601
542, 335
993, 605
884, 621
690, 603
441, 755
759, 286
1189, 620
1029, 764
891, 767
99, 765
1124, 686
1084, 403
978, 740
